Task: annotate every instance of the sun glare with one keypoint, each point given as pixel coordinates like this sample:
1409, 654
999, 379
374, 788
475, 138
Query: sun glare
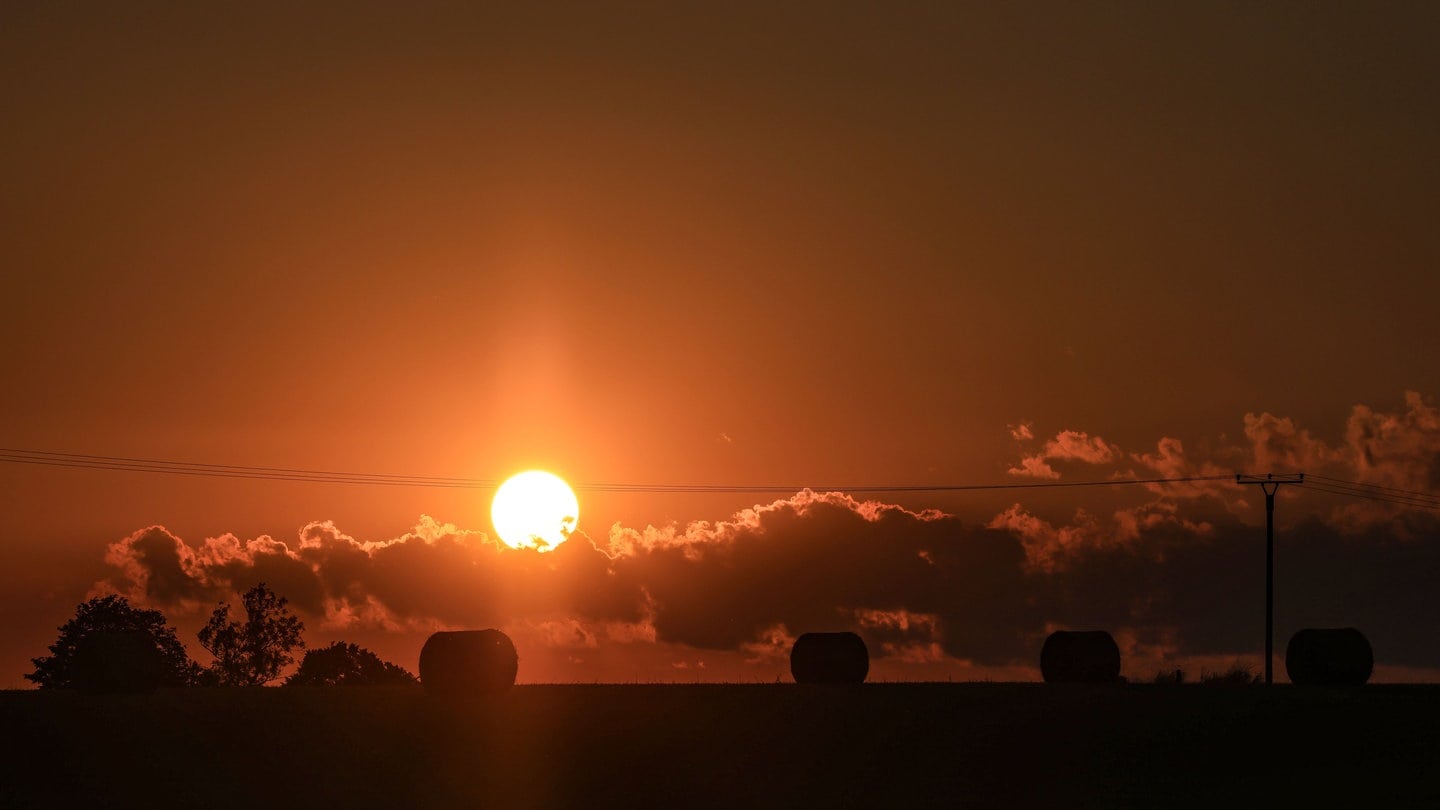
534, 509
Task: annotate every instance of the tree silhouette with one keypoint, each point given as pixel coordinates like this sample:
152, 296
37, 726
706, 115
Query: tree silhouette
67, 666
342, 664
253, 653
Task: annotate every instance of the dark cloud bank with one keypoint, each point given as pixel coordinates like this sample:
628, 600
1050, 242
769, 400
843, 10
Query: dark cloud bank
921, 586
1177, 575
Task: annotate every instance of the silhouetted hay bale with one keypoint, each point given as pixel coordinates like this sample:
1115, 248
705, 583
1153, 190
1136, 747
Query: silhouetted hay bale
464, 663
1338, 656
117, 661
1089, 656
829, 658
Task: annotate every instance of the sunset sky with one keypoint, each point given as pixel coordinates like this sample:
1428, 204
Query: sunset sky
812, 245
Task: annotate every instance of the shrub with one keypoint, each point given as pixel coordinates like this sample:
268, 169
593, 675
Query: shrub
342, 664
1237, 675
77, 661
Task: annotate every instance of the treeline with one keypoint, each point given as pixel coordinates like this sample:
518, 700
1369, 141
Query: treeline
111, 645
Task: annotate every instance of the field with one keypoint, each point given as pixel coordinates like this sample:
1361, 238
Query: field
876, 745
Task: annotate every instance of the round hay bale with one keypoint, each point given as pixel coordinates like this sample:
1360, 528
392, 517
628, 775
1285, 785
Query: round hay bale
116, 662
829, 658
464, 663
1089, 656
1338, 656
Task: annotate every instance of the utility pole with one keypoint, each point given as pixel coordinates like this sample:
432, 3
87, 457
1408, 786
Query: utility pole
1270, 484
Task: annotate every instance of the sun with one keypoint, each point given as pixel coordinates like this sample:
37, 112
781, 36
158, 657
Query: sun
534, 509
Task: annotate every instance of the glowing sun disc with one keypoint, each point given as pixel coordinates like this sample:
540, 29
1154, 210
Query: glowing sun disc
534, 508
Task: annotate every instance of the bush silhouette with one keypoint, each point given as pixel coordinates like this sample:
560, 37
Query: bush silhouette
79, 658
1169, 677
342, 664
1238, 675
113, 661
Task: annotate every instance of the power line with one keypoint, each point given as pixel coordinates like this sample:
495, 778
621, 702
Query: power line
132, 464
889, 487
48, 458
194, 464
1378, 496
191, 468
1372, 496
1430, 496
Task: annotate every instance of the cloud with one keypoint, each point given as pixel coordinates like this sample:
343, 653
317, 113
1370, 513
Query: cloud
1034, 467
922, 588
1068, 446
1171, 461
811, 562
1278, 445
435, 574
1075, 445
1046, 545
1396, 449
1175, 570
909, 637
156, 566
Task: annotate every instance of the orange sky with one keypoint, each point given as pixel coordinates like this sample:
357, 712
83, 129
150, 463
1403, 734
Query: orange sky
813, 245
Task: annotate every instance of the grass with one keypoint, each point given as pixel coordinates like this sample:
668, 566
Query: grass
750, 745
1237, 675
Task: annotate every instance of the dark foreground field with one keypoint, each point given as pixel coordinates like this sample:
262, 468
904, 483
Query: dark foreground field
877, 745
